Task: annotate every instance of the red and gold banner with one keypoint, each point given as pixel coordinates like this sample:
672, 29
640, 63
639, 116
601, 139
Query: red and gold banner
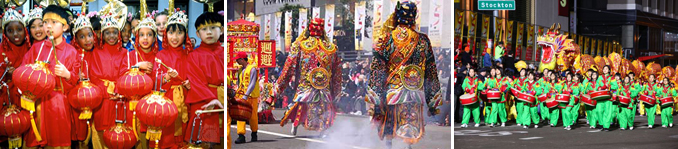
458, 28
266, 52
498, 29
230, 54
530, 43
519, 39
600, 45
486, 27
594, 45
473, 20
509, 35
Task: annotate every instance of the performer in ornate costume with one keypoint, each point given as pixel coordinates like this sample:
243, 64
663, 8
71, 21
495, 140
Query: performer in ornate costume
404, 78
313, 55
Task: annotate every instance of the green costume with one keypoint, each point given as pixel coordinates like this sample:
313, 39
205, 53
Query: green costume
650, 89
553, 113
498, 107
470, 86
627, 114
542, 106
571, 111
662, 92
609, 112
529, 111
595, 114
518, 84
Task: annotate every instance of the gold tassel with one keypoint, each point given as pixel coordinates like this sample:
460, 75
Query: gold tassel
110, 86
15, 142
134, 124
133, 104
89, 133
177, 127
35, 128
27, 102
85, 114
153, 134
178, 95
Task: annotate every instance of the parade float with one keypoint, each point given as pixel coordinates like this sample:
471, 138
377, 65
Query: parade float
243, 36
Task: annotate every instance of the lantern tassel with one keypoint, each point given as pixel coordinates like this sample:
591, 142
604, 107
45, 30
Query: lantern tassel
134, 124
15, 142
35, 128
89, 132
153, 134
133, 104
85, 115
27, 102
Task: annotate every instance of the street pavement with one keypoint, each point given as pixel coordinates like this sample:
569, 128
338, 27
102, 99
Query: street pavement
581, 136
348, 132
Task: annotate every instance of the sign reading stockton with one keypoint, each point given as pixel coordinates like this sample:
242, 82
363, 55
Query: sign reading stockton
271, 6
496, 5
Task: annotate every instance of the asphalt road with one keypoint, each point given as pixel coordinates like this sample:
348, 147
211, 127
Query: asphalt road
581, 136
348, 132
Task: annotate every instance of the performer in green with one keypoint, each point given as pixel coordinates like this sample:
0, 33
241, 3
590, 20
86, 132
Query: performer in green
663, 91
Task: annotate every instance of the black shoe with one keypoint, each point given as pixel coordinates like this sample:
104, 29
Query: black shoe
240, 140
605, 129
254, 137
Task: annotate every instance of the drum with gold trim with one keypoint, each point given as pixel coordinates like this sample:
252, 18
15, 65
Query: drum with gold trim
543, 97
624, 100
564, 98
468, 99
586, 99
666, 101
526, 97
494, 95
647, 100
601, 95
551, 103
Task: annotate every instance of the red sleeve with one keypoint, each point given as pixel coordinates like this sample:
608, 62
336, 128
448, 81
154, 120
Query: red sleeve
199, 89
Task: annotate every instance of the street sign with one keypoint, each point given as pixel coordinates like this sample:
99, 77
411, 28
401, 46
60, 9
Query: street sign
496, 5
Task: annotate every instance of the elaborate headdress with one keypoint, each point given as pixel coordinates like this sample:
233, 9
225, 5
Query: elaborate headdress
35, 13
12, 15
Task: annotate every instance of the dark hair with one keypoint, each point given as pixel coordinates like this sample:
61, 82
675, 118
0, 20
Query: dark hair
631, 73
57, 10
177, 27
28, 28
617, 74
96, 24
208, 17
137, 16
128, 23
164, 12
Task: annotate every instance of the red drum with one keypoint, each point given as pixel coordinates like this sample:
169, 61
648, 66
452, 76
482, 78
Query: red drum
564, 98
526, 97
576, 99
551, 103
586, 99
543, 97
494, 95
647, 100
624, 100
241, 110
483, 96
468, 99
666, 101
601, 95
515, 91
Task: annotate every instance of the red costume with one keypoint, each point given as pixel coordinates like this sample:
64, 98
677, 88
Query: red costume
106, 65
206, 85
53, 110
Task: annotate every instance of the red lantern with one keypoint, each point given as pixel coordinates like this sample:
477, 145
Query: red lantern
156, 111
14, 123
134, 83
120, 137
35, 81
86, 96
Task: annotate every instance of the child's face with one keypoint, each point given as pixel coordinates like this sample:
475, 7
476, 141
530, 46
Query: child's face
16, 32
126, 32
210, 34
146, 38
176, 38
160, 22
85, 38
111, 36
37, 30
54, 28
